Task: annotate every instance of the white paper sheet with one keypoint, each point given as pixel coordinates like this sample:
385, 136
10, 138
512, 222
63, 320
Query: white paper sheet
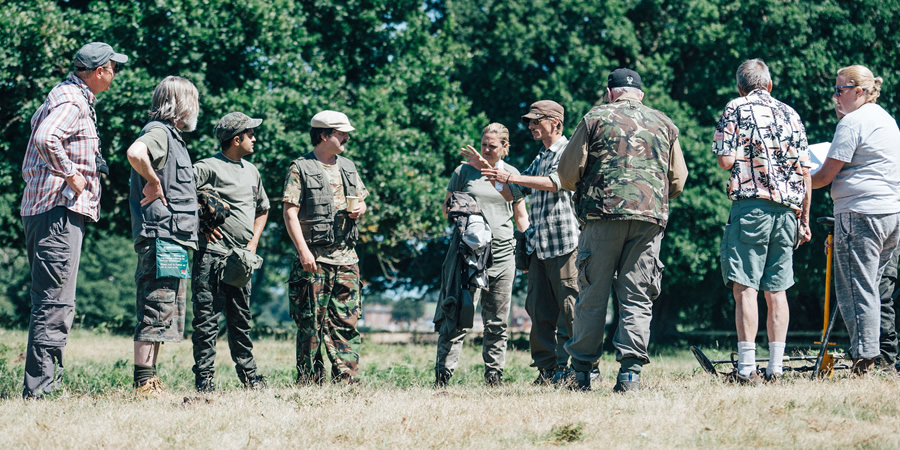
817, 154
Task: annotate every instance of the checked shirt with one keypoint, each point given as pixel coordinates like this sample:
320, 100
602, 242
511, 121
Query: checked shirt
554, 226
63, 141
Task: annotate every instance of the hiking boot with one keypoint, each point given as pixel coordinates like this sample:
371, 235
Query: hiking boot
152, 386
545, 377
883, 362
562, 376
442, 378
736, 378
255, 382
862, 366
580, 381
493, 379
205, 385
627, 382
774, 378
345, 378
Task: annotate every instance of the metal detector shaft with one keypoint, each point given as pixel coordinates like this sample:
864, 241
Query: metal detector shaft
829, 324
786, 358
824, 347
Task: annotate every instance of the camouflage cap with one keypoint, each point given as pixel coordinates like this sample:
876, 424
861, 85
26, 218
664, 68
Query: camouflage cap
96, 54
233, 124
544, 108
212, 210
624, 78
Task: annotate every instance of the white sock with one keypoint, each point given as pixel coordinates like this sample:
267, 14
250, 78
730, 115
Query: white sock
776, 358
746, 358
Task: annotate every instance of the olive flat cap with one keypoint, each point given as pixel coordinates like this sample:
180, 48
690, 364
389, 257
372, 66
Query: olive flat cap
544, 108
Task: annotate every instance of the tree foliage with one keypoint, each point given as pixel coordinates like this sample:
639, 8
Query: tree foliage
419, 79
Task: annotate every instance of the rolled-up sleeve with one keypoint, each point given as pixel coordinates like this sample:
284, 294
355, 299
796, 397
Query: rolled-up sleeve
573, 159
59, 125
678, 172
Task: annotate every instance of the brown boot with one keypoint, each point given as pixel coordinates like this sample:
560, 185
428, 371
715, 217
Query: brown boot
862, 366
151, 387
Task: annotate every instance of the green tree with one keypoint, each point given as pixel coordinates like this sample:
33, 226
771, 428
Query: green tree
419, 80
281, 61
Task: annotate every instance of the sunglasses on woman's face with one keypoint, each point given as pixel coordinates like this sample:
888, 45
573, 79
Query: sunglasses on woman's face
837, 89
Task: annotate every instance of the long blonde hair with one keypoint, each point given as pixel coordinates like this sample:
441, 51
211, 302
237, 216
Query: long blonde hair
861, 76
175, 99
502, 134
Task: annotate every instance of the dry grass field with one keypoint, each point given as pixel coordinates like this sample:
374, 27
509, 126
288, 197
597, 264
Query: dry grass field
396, 407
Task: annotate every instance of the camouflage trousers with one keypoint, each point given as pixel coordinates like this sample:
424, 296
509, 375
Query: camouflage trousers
325, 305
160, 301
211, 297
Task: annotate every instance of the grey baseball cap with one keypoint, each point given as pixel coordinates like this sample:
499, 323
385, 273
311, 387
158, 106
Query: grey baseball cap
96, 54
233, 124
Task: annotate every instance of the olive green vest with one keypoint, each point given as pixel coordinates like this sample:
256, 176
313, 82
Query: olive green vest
317, 209
626, 172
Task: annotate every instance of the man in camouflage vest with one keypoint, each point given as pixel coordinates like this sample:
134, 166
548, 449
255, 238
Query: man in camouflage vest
323, 198
624, 164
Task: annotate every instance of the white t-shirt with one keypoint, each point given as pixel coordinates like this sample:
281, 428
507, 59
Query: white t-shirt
868, 141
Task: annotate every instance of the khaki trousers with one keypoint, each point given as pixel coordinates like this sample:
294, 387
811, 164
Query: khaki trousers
620, 255
550, 302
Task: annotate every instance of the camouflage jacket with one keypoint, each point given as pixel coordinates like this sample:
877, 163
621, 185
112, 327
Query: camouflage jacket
618, 163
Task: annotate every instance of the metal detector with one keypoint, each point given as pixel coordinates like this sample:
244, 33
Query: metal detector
709, 365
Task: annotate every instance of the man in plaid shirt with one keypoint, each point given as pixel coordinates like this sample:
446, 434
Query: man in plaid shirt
551, 242
62, 190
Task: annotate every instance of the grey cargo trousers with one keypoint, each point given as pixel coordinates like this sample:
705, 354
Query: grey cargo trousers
53, 242
620, 255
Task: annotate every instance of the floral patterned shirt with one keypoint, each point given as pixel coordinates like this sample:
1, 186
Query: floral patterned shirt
768, 141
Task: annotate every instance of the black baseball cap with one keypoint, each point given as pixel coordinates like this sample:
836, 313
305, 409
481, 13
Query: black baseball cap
624, 78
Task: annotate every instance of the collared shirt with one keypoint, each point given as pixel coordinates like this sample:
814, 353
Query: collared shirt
63, 141
768, 141
554, 226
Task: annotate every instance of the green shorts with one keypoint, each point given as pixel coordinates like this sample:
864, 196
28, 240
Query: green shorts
758, 246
